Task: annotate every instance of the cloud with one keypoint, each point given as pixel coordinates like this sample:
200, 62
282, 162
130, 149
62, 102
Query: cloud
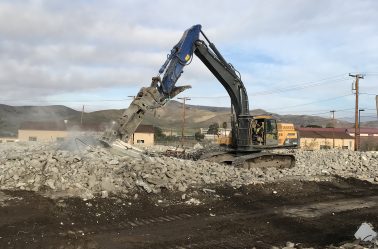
54, 48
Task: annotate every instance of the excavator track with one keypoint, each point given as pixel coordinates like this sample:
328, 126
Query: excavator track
251, 160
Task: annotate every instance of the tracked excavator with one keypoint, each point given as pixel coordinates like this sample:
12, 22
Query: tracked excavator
253, 139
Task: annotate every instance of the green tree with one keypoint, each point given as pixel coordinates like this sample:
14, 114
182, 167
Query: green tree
313, 126
224, 126
158, 132
199, 136
213, 128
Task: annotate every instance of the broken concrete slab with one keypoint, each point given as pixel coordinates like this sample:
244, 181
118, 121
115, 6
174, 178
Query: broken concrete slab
365, 232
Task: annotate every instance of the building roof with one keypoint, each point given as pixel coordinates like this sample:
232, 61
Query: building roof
364, 130
44, 126
145, 129
347, 130
324, 134
322, 129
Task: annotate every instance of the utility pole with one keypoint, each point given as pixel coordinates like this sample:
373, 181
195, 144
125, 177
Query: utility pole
81, 118
183, 119
333, 129
359, 126
356, 120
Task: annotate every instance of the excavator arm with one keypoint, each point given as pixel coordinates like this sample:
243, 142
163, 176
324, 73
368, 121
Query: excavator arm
162, 90
158, 93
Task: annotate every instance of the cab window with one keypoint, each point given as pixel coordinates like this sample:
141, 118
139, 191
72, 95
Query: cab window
271, 126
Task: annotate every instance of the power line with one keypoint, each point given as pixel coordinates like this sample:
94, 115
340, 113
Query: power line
286, 89
294, 88
374, 94
313, 102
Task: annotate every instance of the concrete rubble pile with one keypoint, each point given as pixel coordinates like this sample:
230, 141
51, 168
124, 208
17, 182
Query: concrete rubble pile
344, 163
95, 171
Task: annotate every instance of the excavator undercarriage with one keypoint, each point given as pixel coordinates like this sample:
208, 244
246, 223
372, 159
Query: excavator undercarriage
251, 160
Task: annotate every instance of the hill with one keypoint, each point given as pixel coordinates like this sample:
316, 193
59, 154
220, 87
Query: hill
168, 117
12, 116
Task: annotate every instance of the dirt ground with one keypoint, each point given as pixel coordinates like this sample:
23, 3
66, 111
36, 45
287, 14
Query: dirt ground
314, 214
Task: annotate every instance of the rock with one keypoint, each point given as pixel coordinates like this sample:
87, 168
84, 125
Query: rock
193, 201
290, 244
182, 187
156, 181
54, 170
197, 146
104, 194
76, 159
114, 162
206, 190
169, 174
91, 181
107, 184
50, 183
144, 185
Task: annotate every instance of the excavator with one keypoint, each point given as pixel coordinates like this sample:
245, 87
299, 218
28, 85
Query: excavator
253, 139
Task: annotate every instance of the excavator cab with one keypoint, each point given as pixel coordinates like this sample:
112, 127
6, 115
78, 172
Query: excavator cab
264, 131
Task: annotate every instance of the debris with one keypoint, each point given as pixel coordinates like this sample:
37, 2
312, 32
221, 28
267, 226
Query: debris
104, 194
365, 232
175, 153
50, 183
206, 190
182, 187
114, 162
193, 201
197, 146
144, 185
290, 244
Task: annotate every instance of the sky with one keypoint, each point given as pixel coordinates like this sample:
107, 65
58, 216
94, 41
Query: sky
294, 56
